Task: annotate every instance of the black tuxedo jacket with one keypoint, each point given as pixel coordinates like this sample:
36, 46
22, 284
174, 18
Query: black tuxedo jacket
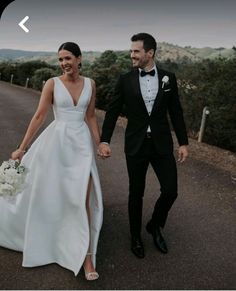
128, 95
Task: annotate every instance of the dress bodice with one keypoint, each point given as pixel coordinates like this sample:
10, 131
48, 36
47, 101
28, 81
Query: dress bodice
63, 105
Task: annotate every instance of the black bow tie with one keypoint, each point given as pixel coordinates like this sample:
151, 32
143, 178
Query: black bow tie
144, 73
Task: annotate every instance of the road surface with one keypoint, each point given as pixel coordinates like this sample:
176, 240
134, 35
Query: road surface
200, 232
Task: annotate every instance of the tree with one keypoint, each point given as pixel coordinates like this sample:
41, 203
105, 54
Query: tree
105, 71
41, 75
27, 69
212, 84
6, 70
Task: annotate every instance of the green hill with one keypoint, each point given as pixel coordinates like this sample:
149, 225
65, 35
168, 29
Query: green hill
49, 57
165, 51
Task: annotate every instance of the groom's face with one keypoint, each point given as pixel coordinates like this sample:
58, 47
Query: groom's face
140, 58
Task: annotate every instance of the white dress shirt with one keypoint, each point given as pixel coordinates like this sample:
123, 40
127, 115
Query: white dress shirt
149, 89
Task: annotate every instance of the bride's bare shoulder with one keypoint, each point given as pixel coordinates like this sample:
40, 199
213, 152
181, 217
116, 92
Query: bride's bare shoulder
49, 84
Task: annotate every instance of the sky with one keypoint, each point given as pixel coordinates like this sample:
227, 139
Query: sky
106, 24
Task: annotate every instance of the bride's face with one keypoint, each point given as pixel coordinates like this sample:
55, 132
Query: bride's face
68, 62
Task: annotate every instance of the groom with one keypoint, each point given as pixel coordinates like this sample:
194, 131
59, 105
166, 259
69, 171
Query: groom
148, 94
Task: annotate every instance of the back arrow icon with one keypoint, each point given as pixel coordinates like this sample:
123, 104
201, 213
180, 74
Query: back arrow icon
21, 24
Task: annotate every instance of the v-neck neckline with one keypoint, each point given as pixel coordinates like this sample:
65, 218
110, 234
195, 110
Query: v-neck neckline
72, 100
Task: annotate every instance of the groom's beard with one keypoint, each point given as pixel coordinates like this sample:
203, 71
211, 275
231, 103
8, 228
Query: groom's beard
138, 63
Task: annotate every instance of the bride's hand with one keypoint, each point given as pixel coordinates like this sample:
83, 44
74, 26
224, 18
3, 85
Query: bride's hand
17, 154
104, 150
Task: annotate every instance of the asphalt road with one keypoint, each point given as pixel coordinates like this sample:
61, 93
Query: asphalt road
200, 231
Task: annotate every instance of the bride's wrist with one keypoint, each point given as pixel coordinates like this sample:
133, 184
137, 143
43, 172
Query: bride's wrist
21, 149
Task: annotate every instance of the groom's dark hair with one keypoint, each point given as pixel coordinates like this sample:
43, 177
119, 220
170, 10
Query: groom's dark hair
149, 41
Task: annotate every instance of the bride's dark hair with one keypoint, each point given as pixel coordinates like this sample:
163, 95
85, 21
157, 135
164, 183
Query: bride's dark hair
71, 47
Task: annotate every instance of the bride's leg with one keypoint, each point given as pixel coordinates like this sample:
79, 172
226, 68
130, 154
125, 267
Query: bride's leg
88, 264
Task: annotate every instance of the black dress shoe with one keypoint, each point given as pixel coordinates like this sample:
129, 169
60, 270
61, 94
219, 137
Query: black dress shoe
137, 247
157, 237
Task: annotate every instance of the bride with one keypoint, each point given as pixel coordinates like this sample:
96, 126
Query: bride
58, 216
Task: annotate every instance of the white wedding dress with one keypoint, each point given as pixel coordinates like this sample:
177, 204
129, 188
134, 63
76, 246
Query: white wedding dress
49, 222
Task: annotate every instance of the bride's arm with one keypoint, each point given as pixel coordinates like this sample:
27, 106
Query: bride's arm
91, 119
37, 120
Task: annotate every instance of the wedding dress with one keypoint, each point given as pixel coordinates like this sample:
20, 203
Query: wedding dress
49, 222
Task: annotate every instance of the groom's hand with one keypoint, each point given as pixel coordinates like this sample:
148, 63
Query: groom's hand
182, 153
104, 150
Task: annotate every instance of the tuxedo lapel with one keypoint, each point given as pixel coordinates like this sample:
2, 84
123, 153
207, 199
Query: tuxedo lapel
137, 90
160, 90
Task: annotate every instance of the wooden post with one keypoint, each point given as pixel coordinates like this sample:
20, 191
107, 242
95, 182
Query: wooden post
12, 76
27, 82
43, 84
205, 112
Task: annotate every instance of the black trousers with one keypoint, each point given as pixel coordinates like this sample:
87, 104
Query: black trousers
166, 172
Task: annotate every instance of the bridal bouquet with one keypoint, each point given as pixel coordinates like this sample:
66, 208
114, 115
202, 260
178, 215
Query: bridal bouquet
12, 178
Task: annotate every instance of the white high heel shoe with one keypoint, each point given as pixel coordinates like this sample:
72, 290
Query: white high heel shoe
90, 276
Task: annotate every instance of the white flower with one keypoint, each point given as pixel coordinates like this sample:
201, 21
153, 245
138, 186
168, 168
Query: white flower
21, 169
11, 176
13, 163
5, 165
12, 179
6, 189
165, 80
2, 176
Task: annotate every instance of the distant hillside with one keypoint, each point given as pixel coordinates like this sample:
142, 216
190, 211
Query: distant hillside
165, 52
179, 54
49, 57
10, 54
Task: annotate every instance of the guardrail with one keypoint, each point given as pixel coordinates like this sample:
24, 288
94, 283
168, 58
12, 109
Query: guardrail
26, 81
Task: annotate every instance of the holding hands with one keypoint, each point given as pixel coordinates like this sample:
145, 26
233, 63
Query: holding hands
104, 150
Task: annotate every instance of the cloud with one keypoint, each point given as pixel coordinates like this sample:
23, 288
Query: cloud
103, 24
